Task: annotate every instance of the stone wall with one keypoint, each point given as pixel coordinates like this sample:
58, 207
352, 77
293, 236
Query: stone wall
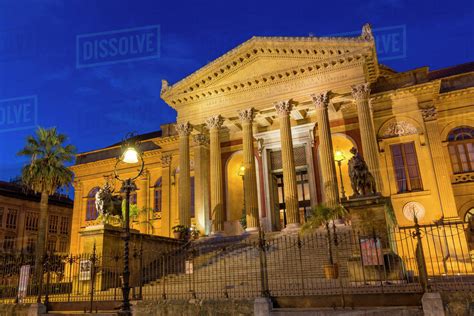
194, 307
14, 309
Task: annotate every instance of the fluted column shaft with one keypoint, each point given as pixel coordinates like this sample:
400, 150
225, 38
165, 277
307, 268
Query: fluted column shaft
367, 131
326, 154
201, 185
250, 178
184, 193
283, 109
214, 124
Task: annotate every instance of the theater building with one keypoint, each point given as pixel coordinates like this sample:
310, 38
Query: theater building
258, 128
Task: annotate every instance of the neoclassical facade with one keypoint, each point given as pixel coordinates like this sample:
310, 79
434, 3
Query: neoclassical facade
258, 128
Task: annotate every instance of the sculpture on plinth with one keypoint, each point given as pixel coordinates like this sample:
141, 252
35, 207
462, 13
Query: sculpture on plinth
362, 181
108, 206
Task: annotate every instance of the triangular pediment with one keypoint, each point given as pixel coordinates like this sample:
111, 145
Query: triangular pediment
260, 57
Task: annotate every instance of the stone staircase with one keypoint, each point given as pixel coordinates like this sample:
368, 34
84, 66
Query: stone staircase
294, 267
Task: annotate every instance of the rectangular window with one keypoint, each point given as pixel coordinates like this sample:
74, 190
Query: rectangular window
31, 245
63, 245
9, 243
405, 166
32, 222
64, 227
11, 219
53, 223
1, 216
462, 156
51, 246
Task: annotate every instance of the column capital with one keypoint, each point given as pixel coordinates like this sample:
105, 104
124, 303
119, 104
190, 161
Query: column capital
283, 108
246, 115
429, 114
215, 122
183, 129
361, 91
77, 185
321, 100
166, 160
201, 139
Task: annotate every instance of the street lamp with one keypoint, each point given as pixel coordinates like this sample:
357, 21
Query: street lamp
130, 154
339, 158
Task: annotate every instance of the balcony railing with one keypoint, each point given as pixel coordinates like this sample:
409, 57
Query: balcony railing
462, 177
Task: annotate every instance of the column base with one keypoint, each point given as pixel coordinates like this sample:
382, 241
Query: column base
217, 234
251, 230
292, 228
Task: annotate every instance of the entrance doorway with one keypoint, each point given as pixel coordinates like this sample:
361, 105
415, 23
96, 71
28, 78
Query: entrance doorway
304, 203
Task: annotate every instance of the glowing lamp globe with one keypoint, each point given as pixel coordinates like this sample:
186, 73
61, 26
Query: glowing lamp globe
339, 156
130, 156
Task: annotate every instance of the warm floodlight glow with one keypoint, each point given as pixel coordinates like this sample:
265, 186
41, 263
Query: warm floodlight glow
241, 170
130, 155
339, 156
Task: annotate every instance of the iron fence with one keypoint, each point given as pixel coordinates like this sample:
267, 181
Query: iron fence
409, 260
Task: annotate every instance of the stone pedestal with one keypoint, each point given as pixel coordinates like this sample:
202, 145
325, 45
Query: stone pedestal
370, 224
368, 215
109, 248
432, 304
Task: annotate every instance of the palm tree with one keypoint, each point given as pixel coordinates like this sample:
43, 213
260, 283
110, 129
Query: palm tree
45, 174
322, 215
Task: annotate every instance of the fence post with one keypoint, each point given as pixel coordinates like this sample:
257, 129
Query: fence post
300, 245
420, 257
93, 262
163, 276
263, 262
140, 276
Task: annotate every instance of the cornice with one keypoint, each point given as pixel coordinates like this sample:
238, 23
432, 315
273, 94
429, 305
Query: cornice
429, 87
110, 161
456, 93
272, 78
265, 46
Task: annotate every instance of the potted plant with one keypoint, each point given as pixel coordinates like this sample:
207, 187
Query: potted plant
194, 233
179, 231
323, 216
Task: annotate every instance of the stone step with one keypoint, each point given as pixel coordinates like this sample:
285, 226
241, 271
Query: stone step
375, 311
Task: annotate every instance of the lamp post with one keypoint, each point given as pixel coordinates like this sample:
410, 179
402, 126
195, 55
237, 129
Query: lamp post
339, 158
131, 155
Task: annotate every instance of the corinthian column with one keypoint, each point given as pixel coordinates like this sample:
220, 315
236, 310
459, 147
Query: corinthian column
201, 184
250, 178
328, 170
367, 131
184, 194
283, 108
214, 124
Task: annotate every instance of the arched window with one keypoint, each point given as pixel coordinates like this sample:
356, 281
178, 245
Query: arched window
91, 211
461, 149
157, 197
469, 215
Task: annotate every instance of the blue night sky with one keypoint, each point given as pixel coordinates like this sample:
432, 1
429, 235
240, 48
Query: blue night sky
96, 106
